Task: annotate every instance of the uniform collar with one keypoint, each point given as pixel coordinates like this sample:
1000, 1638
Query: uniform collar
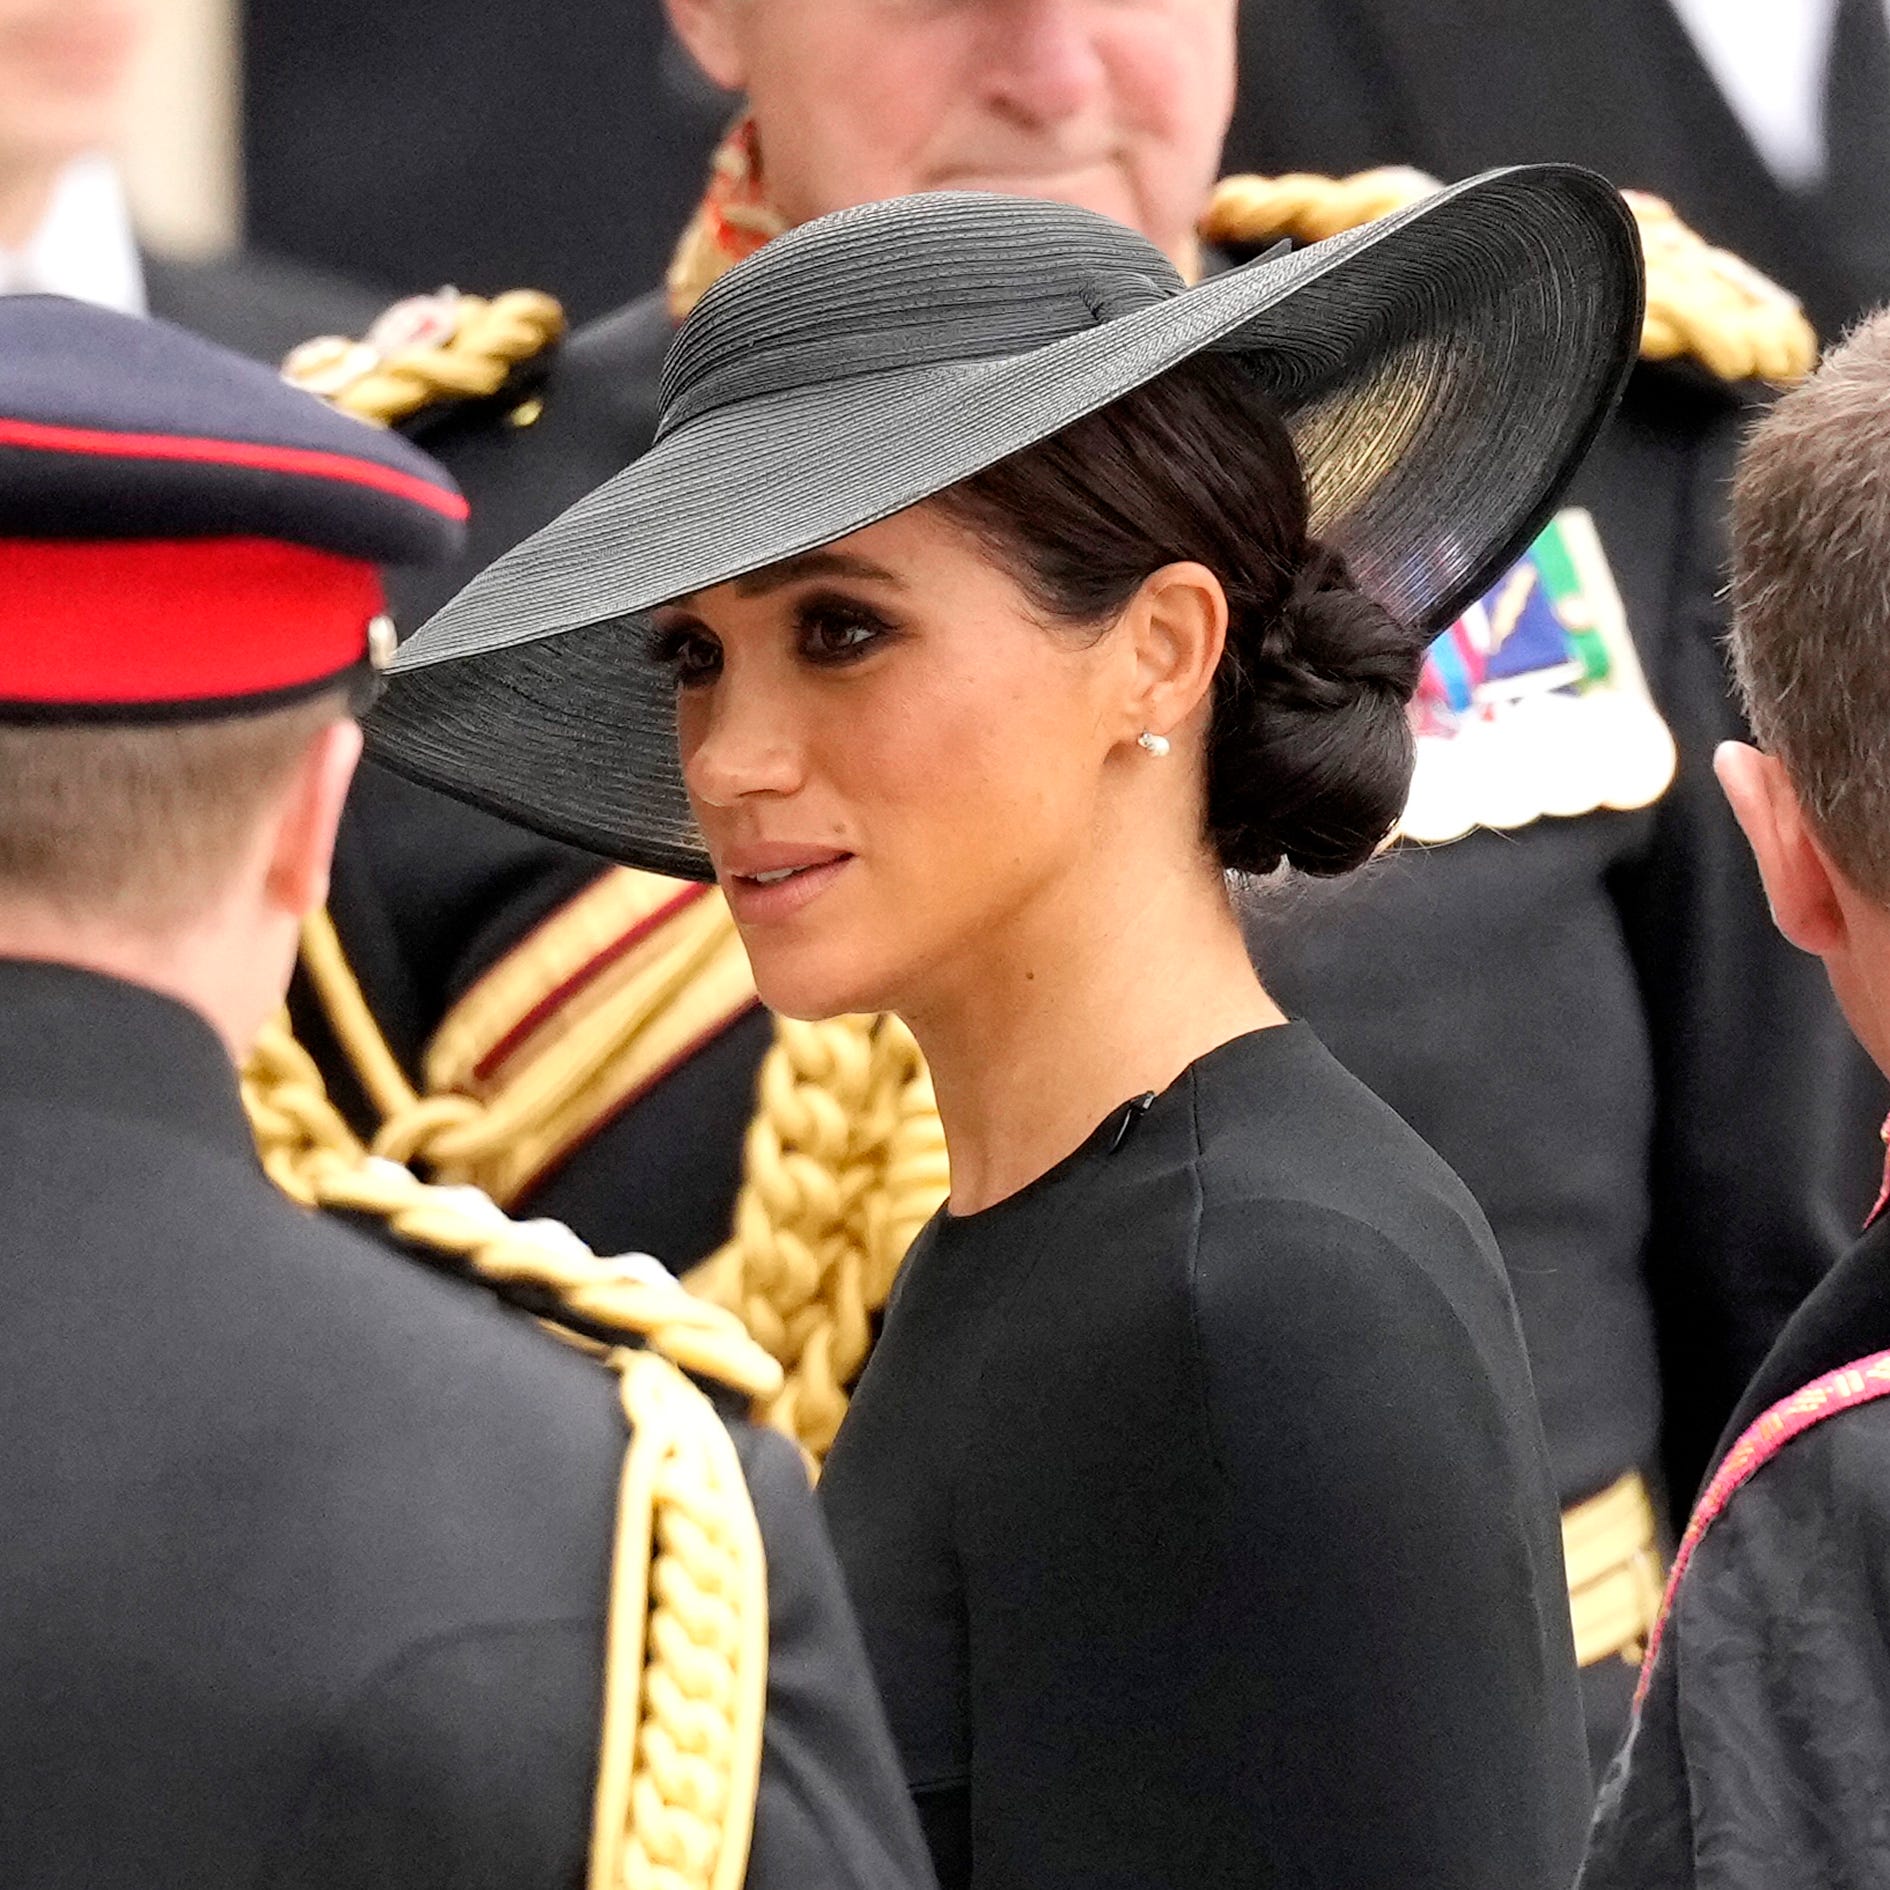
84, 248
73, 1039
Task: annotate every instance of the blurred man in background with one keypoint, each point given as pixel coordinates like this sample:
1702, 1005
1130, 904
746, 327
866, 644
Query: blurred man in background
65, 229
1560, 999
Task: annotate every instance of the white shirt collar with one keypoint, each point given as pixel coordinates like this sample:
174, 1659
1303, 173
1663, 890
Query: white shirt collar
1768, 58
84, 246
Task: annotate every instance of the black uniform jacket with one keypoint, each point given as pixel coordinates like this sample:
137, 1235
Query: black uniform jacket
1565, 1012
1618, 85
306, 1550
259, 305
1196, 1508
1760, 1758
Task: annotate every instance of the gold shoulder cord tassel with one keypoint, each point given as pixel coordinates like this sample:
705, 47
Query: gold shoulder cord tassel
686, 1661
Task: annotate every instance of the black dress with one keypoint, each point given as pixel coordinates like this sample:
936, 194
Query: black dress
1197, 1513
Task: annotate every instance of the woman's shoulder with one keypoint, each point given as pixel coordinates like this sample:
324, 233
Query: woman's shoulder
1322, 1209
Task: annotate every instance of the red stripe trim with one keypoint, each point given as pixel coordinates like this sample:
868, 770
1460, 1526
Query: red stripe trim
593, 967
303, 461
136, 622
657, 1077
1827, 1397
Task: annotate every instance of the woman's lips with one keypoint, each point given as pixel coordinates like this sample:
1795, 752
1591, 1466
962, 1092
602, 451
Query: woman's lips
765, 895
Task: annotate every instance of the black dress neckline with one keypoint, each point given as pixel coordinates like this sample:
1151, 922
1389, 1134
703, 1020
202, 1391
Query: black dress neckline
1118, 1128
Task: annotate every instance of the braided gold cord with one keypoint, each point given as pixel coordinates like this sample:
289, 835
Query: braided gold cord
462, 1138
1703, 303
1708, 304
313, 1156
1305, 206
686, 1671
845, 1162
490, 339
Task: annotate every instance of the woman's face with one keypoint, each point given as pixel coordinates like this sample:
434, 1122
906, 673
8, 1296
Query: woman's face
894, 762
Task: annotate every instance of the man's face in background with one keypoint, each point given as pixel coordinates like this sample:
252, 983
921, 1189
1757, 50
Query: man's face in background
1117, 105
65, 67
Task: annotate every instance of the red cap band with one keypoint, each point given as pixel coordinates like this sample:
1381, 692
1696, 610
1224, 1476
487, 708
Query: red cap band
143, 622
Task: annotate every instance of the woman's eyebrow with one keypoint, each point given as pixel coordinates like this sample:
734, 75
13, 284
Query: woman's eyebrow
813, 564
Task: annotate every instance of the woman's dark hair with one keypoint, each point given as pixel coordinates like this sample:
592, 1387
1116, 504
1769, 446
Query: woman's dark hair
1309, 747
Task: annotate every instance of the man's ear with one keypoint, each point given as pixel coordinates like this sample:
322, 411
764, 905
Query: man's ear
1799, 880
707, 31
1178, 620
302, 842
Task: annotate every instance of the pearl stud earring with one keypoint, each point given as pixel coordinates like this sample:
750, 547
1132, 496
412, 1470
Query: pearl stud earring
1156, 745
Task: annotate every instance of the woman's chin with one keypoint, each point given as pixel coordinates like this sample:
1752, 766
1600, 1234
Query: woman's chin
793, 985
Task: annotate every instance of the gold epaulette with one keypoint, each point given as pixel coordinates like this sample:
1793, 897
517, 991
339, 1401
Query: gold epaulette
430, 350
686, 1641
1703, 304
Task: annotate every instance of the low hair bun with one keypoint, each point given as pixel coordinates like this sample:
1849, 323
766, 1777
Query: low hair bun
1310, 748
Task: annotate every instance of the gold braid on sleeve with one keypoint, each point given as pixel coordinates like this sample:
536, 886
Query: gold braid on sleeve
1703, 304
686, 1660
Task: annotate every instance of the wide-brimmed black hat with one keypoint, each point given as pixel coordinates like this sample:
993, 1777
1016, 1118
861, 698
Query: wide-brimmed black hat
1442, 372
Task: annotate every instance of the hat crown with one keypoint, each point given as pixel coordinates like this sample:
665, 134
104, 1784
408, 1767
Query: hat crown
918, 281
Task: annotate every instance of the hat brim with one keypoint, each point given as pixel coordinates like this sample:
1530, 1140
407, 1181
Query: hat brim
1442, 371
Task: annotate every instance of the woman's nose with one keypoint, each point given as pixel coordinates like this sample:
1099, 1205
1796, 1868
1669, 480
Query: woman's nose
736, 744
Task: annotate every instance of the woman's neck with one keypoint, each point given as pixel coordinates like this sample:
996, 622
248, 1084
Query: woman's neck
1103, 994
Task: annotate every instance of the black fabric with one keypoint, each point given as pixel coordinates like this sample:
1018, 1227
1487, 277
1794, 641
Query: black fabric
306, 1552
1338, 85
1852, 201
1760, 1759
567, 160
1195, 1507
258, 304
246, 454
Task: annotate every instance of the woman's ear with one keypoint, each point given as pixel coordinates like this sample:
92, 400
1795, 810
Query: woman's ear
708, 32
1178, 623
1800, 882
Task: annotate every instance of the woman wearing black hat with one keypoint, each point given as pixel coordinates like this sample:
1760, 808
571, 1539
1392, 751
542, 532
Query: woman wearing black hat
1006, 596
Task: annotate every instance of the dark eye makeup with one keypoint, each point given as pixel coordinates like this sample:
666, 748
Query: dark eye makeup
690, 654
831, 630
834, 629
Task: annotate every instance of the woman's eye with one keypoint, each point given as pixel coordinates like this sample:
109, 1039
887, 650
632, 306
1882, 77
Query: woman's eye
688, 656
836, 636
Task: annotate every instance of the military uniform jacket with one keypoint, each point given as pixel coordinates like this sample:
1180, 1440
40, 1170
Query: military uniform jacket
1564, 1011
306, 1550
1760, 1754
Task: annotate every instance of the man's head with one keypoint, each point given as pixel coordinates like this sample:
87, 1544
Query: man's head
185, 855
65, 68
189, 594
1117, 105
1811, 647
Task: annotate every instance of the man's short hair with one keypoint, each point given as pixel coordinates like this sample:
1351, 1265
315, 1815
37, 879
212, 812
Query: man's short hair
142, 825
1811, 598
